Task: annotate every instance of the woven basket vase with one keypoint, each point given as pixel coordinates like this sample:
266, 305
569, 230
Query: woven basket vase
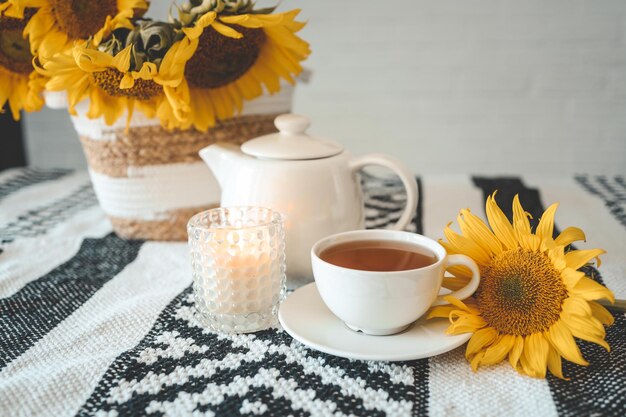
150, 181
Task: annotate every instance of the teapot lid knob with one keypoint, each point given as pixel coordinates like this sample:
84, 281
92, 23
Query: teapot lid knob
292, 123
291, 143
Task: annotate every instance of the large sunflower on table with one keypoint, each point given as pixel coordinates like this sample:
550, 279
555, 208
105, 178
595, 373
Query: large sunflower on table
20, 85
58, 23
130, 69
532, 300
240, 52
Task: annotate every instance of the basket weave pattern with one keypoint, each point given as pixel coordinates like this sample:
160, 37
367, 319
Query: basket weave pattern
142, 146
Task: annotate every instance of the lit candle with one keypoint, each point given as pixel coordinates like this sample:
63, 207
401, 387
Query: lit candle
238, 265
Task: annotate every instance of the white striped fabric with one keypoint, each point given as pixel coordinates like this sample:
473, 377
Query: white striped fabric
93, 325
81, 348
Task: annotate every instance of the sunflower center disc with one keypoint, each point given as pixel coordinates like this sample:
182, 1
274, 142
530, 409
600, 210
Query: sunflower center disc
220, 60
109, 81
81, 19
521, 292
15, 51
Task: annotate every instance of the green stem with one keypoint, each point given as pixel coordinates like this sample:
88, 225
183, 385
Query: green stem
619, 305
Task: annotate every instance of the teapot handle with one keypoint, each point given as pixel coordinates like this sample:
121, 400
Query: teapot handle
408, 179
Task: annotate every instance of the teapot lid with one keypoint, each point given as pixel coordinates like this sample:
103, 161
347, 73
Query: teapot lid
291, 142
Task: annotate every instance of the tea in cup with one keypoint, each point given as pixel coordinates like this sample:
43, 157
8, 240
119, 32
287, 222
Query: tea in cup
380, 281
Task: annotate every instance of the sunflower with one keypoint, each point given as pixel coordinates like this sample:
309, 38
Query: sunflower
20, 85
122, 74
58, 23
237, 56
532, 300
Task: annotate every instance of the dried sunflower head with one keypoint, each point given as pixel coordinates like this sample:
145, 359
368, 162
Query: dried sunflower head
240, 54
20, 84
58, 23
121, 69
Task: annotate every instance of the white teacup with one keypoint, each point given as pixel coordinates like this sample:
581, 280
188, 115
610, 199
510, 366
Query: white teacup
383, 303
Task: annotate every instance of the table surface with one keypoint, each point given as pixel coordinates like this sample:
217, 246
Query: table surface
91, 324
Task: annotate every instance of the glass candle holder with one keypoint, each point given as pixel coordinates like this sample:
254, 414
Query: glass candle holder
238, 262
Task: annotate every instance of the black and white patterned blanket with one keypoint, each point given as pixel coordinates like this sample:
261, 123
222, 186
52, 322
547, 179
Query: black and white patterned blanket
93, 325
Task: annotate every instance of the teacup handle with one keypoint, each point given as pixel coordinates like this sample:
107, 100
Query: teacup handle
471, 286
405, 175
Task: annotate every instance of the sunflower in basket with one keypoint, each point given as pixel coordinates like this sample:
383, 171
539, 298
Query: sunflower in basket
130, 68
239, 52
20, 85
56, 24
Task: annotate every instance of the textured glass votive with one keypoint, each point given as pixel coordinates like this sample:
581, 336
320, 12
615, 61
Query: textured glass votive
238, 261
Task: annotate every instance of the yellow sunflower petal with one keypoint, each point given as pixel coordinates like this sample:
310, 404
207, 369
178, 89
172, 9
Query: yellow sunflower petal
440, 311
172, 68
578, 258
591, 290
103, 105
569, 235
132, 4
536, 353
525, 368
21, 91
499, 223
586, 328
127, 81
463, 322
529, 241
149, 107
545, 228
571, 277
178, 99
147, 71
516, 351
554, 364
15, 8
475, 229
226, 30
499, 350
50, 44
457, 303
90, 60
520, 217
577, 306
121, 61
130, 109
462, 244
562, 340
556, 255
206, 20
601, 313
483, 337
34, 99
38, 26
475, 362
258, 20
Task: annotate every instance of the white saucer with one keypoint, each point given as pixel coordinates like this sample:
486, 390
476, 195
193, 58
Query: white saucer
307, 319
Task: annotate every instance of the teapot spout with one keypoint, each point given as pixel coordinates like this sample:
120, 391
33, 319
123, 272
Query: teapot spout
219, 157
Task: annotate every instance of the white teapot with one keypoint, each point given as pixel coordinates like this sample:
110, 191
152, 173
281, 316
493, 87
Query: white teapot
313, 182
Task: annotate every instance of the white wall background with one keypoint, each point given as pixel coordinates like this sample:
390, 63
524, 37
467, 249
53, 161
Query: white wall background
451, 86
